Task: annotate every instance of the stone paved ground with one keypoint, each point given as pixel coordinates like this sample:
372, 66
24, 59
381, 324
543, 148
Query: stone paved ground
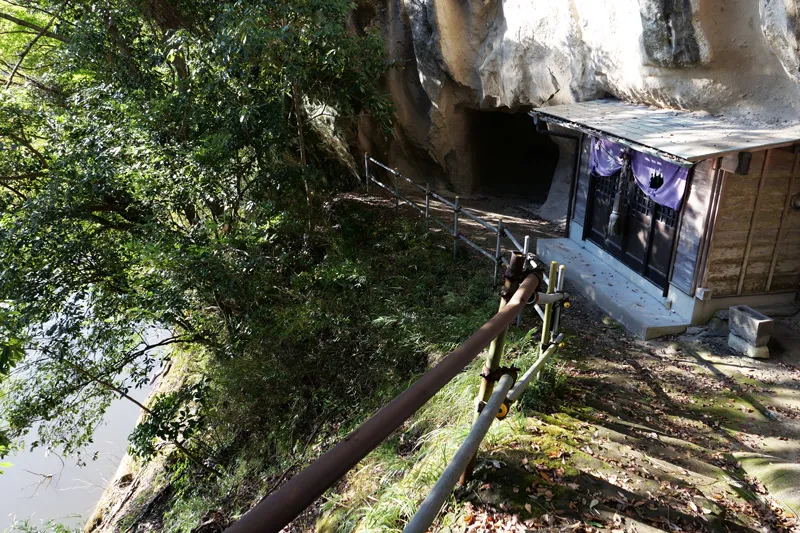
675, 434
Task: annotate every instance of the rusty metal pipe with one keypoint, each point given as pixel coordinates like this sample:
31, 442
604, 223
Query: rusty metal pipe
283, 506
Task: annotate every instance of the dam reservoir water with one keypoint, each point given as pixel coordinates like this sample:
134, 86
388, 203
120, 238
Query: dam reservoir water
39, 488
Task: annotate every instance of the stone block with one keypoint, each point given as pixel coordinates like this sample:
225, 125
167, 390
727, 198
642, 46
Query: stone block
742, 346
750, 325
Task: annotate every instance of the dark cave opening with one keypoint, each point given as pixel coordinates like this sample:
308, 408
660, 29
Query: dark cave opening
511, 157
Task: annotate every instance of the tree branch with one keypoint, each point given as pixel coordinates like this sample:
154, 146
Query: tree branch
13, 190
104, 383
34, 81
36, 8
26, 143
43, 32
28, 48
23, 176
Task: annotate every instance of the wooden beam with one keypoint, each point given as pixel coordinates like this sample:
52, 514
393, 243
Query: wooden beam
708, 225
762, 180
588, 130
790, 190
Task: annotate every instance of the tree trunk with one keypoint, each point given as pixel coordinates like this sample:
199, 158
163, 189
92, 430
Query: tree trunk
296, 98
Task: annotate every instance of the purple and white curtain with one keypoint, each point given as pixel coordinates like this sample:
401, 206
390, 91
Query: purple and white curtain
664, 182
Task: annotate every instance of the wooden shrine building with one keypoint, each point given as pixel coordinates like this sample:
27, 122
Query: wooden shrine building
675, 215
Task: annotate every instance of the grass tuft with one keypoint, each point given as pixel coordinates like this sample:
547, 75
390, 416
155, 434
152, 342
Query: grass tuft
387, 489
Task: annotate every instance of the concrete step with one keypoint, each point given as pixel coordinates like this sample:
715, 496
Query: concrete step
625, 302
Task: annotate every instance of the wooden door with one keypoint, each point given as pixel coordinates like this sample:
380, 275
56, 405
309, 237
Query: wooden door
602, 190
648, 229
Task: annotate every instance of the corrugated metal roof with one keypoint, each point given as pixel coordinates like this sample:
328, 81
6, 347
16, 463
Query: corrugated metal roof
682, 135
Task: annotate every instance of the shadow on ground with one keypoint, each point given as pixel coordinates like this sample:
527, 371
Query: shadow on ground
675, 434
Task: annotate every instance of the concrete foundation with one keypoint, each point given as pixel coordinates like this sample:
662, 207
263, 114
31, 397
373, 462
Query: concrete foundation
744, 347
629, 303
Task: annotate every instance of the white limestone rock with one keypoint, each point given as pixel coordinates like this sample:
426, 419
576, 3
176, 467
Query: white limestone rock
737, 58
780, 25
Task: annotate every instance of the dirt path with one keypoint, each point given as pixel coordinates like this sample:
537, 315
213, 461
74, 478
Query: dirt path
676, 434
516, 214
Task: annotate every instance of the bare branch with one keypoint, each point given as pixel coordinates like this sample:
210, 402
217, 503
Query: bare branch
28, 48
43, 32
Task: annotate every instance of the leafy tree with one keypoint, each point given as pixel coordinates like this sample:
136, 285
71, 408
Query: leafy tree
160, 170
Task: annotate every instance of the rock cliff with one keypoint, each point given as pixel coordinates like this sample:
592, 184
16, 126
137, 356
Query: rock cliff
454, 59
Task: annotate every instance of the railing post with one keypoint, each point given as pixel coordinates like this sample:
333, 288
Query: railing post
427, 205
559, 288
525, 248
516, 266
366, 171
396, 192
548, 308
456, 209
497, 249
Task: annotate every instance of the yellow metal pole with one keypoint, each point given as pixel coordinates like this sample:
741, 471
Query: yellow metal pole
516, 266
548, 308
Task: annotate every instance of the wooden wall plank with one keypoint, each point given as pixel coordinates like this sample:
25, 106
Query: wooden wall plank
582, 186
727, 241
727, 249
755, 247
762, 181
693, 224
786, 226
781, 164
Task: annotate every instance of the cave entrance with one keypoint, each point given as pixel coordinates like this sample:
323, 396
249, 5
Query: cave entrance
511, 157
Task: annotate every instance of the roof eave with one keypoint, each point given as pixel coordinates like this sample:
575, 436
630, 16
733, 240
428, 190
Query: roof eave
539, 114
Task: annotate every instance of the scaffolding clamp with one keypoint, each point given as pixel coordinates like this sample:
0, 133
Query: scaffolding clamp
494, 376
499, 372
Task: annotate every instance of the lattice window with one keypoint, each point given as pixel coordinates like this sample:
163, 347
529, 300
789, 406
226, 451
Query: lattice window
640, 203
667, 215
606, 185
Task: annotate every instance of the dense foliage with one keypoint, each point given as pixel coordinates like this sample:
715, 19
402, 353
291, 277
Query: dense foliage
163, 171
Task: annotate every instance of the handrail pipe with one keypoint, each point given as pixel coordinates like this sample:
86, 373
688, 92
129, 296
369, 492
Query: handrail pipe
285, 504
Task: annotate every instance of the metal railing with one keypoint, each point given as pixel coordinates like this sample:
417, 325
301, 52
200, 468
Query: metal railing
499, 229
500, 388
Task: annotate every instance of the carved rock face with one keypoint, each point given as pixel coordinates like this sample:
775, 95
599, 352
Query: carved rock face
782, 32
733, 57
668, 34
